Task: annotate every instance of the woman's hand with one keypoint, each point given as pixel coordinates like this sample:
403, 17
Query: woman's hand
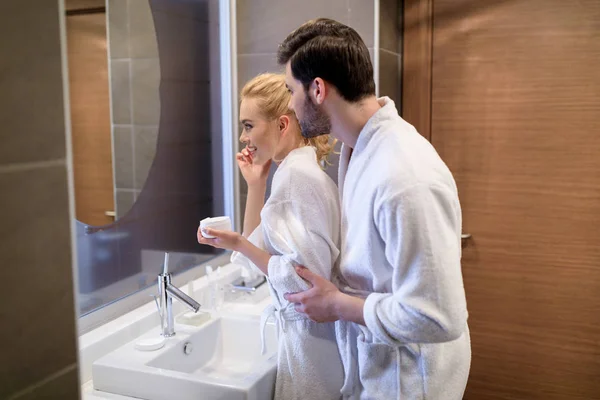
223, 239
254, 174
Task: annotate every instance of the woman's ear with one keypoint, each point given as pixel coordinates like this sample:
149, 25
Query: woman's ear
284, 123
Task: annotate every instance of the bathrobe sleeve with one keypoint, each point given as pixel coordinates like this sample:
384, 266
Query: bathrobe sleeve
421, 229
300, 235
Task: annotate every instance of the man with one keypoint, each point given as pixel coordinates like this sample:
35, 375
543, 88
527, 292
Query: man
402, 329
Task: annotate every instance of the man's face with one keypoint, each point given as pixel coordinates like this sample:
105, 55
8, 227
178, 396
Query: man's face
313, 120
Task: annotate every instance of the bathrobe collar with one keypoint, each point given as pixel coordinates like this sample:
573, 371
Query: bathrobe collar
386, 112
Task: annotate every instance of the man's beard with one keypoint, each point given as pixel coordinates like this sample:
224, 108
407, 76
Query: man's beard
315, 122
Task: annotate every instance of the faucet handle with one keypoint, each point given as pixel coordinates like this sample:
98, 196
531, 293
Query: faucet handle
166, 263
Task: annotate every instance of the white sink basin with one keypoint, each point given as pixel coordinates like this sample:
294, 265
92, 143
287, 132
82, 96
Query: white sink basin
224, 363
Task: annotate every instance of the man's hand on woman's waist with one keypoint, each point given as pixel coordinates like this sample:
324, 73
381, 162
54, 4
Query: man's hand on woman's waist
323, 302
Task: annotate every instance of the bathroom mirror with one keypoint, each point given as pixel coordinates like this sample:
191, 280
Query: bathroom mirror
114, 76
145, 90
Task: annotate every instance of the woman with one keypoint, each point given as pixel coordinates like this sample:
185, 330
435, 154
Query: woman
298, 225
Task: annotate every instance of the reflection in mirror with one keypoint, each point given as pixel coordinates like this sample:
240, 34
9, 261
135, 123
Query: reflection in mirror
115, 104
144, 84
90, 111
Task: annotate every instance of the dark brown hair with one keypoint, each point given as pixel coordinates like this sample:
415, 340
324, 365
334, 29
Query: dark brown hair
327, 49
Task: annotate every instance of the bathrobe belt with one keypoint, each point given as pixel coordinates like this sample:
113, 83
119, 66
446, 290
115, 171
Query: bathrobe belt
281, 315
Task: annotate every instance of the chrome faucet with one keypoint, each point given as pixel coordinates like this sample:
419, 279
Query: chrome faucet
167, 291
248, 286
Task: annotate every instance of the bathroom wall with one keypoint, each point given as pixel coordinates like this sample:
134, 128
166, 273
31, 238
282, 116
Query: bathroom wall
135, 78
390, 50
263, 24
37, 339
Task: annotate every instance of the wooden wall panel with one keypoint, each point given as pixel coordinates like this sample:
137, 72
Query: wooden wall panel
416, 64
516, 116
90, 117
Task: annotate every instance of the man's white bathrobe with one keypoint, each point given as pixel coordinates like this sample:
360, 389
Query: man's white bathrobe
401, 249
300, 225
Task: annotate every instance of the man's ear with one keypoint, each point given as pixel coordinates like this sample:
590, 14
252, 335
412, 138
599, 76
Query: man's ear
318, 91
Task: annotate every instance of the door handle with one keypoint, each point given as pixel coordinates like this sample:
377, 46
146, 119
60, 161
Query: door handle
464, 237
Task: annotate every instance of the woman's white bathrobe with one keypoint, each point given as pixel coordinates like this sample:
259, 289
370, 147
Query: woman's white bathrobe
300, 225
401, 249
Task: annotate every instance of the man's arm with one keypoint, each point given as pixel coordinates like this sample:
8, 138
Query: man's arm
323, 302
421, 229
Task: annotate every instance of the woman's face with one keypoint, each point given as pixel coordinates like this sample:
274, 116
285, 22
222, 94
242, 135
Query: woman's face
260, 135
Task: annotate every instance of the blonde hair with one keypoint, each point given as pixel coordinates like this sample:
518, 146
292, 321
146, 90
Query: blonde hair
273, 97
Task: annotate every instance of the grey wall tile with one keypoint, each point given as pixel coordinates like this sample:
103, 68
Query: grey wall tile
361, 16
198, 10
123, 156
31, 105
243, 200
389, 28
118, 28
125, 200
243, 185
29, 44
145, 79
145, 139
372, 55
389, 76
120, 94
272, 171
142, 35
35, 240
250, 65
35, 244
334, 160
83, 4
64, 386
263, 24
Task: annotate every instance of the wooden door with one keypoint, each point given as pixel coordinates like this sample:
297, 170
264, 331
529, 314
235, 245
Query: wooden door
515, 113
90, 117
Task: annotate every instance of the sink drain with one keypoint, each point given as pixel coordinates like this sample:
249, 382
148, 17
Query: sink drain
187, 348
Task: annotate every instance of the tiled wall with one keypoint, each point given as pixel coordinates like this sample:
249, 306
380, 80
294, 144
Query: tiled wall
37, 339
263, 24
390, 50
135, 78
